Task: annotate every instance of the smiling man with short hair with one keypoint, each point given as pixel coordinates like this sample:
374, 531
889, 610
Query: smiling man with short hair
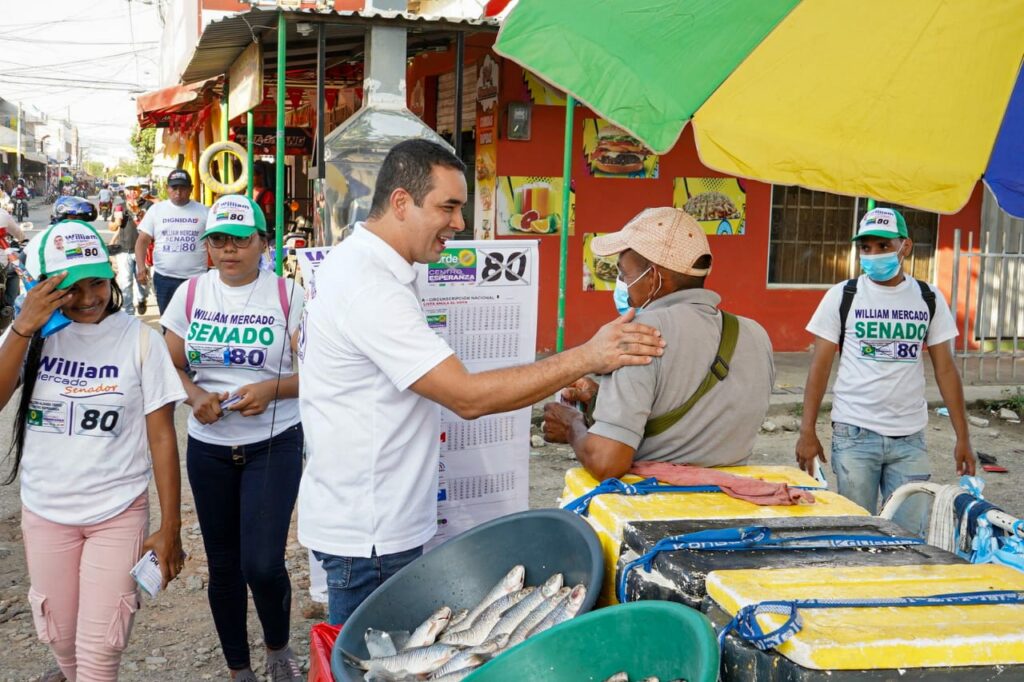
374, 376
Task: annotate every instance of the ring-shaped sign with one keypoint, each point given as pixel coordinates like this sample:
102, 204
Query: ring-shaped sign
215, 185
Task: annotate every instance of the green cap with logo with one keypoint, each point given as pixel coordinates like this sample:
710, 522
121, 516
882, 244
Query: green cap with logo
70, 245
235, 214
882, 222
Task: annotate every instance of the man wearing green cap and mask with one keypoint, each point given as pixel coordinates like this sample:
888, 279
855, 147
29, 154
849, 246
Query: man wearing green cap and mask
880, 324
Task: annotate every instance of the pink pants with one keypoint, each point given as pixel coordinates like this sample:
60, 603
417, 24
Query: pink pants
82, 596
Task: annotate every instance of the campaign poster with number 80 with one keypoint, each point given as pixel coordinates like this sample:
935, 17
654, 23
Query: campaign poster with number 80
98, 420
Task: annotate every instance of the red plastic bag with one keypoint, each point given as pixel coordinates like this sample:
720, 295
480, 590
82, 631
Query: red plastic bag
321, 642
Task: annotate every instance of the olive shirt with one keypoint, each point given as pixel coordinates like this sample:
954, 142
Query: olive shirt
720, 429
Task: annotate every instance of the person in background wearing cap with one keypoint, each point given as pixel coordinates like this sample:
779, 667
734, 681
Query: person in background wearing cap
879, 412
233, 327
375, 375
174, 227
664, 259
95, 422
125, 226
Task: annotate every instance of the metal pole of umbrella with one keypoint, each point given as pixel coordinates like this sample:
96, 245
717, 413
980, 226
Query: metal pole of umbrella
279, 148
563, 253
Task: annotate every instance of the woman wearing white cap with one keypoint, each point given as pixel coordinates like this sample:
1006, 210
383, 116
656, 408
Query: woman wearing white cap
233, 327
94, 424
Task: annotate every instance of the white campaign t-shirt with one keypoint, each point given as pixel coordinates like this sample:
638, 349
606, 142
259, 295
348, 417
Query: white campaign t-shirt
374, 445
177, 251
237, 337
86, 455
880, 382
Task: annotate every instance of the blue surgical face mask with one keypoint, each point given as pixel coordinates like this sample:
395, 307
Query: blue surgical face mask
621, 297
881, 267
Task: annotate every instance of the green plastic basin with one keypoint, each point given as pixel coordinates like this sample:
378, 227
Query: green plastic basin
645, 638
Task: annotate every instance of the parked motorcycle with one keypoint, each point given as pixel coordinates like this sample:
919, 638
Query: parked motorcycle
299, 237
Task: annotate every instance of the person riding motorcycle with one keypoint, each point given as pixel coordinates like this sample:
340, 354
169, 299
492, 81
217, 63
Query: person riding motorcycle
105, 201
10, 236
20, 196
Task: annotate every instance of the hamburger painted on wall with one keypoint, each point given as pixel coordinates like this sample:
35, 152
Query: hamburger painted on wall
612, 152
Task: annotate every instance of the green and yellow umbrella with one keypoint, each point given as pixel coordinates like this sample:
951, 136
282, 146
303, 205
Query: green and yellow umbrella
899, 100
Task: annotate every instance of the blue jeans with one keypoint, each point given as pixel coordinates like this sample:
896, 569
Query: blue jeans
165, 287
350, 580
244, 497
126, 279
865, 462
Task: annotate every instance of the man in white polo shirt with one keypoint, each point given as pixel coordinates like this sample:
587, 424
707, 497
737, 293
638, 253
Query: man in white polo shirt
374, 375
174, 228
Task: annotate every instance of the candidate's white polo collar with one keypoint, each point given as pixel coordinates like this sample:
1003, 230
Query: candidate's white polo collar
399, 267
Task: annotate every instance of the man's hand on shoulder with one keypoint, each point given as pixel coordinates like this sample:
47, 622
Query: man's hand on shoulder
623, 342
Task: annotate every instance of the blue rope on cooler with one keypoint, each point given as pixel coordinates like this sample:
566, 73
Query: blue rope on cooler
752, 538
745, 624
614, 486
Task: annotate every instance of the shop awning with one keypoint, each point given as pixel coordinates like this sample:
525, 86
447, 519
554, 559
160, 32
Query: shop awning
223, 41
25, 154
154, 106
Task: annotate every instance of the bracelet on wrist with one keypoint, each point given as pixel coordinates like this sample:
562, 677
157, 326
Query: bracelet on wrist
24, 336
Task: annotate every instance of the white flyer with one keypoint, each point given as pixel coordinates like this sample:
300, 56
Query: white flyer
481, 297
310, 259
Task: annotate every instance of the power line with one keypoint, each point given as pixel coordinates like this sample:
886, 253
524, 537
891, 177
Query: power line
68, 42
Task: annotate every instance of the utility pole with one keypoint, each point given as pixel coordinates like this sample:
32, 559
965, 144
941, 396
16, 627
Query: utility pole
20, 113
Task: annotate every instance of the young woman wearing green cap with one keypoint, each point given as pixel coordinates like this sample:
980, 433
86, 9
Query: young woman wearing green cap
233, 328
95, 422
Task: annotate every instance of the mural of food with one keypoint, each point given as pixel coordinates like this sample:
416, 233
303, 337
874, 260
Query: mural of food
612, 152
718, 204
531, 206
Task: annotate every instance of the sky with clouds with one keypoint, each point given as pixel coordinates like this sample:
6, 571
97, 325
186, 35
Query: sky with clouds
89, 57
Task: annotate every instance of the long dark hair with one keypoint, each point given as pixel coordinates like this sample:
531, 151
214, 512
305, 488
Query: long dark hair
30, 371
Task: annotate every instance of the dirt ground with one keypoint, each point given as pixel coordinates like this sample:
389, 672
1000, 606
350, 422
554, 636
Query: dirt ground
174, 639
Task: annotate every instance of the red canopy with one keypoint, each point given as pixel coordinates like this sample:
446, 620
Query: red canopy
154, 107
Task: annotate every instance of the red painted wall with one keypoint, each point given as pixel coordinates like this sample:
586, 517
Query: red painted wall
740, 270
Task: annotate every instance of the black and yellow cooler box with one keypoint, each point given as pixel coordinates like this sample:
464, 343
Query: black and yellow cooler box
609, 514
680, 575
976, 642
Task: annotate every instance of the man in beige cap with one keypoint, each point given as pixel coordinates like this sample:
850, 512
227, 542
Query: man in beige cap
700, 403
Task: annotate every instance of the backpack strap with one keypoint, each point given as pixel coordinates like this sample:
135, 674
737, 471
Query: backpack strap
849, 291
282, 296
190, 298
143, 343
929, 298
718, 371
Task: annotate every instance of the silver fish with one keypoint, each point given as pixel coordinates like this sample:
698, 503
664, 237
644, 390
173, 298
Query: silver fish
428, 631
652, 678
460, 661
477, 633
564, 611
618, 677
457, 617
379, 643
413, 661
536, 616
512, 582
515, 615
455, 676
385, 676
